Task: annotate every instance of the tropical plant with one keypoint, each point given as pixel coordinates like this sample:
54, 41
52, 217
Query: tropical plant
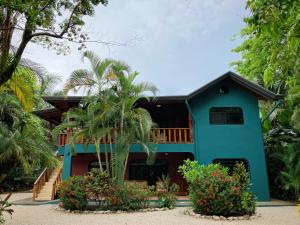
110, 113
166, 192
290, 174
294, 100
97, 79
5, 208
277, 142
269, 53
76, 191
24, 141
130, 196
271, 44
133, 123
99, 186
72, 193
214, 192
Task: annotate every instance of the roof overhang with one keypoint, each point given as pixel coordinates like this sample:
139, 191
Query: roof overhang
62, 104
259, 91
52, 115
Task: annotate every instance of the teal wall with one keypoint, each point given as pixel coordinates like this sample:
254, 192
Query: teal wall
231, 141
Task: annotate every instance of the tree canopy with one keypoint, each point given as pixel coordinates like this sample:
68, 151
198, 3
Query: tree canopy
270, 52
270, 56
42, 22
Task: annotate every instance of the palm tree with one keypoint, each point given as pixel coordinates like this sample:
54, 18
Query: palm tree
111, 112
24, 141
96, 79
22, 86
134, 124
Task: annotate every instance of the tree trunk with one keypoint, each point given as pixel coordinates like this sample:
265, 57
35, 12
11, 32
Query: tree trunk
8, 68
98, 150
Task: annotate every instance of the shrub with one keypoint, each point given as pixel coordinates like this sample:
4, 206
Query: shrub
166, 192
132, 196
99, 186
72, 193
214, 192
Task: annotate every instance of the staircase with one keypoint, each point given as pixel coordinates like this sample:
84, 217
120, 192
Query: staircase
45, 187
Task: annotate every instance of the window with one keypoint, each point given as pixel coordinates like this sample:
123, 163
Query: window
230, 163
139, 170
226, 115
94, 166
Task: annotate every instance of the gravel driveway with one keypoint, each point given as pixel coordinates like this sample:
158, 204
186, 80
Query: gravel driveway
47, 215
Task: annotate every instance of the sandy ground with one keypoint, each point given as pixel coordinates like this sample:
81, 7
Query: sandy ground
47, 215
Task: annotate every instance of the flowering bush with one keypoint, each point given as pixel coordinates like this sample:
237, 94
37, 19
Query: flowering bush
214, 192
131, 196
75, 192
72, 193
99, 186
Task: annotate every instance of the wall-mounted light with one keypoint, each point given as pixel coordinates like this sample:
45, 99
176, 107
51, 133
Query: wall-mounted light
223, 90
158, 105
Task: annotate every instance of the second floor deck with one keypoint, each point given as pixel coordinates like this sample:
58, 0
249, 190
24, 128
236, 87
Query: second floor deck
155, 136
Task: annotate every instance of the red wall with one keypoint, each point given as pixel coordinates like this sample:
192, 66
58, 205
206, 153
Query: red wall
80, 164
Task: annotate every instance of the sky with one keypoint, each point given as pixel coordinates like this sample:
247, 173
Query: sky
178, 45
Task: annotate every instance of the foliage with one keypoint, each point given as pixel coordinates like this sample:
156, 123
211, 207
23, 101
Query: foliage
131, 196
72, 193
270, 57
110, 113
166, 192
43, 22
270, 50
271, 44
22, 85
214, 192
282, 156
98, 186
290, 175
5, 208
24, 141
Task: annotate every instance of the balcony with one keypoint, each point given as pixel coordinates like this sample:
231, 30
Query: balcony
155, 136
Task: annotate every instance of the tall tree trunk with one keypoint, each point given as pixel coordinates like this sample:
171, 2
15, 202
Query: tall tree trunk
98, 150
111, 155
125, 164
106, 155
8, 67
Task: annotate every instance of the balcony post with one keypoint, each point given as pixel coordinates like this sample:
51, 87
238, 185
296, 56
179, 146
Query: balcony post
190, 122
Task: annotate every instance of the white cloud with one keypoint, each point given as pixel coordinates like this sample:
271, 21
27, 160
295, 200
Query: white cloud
183, 41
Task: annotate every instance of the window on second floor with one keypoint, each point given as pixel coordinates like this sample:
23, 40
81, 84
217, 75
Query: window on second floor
226, 115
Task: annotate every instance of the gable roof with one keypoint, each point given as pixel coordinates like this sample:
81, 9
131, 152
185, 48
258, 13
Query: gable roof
256, 89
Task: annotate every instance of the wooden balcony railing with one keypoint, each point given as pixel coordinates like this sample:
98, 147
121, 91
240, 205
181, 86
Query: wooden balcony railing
156, 135
40, 182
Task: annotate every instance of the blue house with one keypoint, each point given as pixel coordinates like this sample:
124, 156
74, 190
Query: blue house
218, 123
